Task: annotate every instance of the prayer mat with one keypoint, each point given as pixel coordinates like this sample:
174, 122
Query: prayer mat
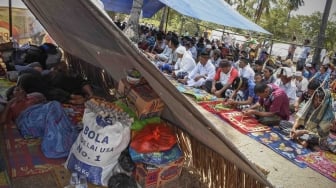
198, 94
24, 156
282, 145
245, 124
4, 85
215, 107
323, 162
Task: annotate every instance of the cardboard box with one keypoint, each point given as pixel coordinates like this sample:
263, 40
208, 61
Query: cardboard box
147, 103
158, 177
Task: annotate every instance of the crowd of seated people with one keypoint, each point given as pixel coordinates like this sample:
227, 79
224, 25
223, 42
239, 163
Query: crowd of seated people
270, 89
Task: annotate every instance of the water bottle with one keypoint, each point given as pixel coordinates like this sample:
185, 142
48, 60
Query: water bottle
74, 179
82, 182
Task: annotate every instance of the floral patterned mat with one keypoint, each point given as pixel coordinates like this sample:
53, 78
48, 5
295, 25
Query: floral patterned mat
282, 145
198, 94
24, 156
322, 162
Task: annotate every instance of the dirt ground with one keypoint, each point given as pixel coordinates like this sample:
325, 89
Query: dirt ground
186, 180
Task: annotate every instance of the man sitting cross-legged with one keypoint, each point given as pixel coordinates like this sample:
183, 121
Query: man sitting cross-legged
223, 79
273, 104
204, 71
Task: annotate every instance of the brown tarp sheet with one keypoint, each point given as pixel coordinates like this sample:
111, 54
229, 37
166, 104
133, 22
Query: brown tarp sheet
83, 30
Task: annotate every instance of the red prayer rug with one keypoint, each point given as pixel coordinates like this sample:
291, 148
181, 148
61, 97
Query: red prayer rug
215, 107
24, 156
245, 124
323, 162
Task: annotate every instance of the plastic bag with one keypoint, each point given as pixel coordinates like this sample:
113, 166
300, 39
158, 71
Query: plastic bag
156, 158
154, 138
122, 181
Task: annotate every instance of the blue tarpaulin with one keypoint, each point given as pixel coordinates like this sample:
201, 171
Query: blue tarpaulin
149, 8
215, 11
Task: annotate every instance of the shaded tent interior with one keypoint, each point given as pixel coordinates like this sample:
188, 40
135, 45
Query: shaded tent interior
86, 32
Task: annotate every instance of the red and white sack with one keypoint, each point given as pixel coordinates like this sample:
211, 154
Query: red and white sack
98, 146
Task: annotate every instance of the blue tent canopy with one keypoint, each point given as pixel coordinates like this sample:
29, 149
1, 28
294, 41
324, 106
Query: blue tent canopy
149, 8
215, 11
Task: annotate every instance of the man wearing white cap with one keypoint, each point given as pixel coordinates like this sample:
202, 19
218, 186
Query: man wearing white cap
285, 83
301, 83
184, 64
203, 71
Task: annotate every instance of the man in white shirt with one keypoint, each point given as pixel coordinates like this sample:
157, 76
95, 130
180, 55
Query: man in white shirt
285, 83
301, 83
245, 69
203, 72
185, 63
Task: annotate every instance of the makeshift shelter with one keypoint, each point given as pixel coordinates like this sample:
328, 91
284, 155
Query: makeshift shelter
216, 11
85, 31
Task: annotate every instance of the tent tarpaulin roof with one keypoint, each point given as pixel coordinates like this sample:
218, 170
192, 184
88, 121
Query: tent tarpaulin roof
85, 31
149, 8
216, 11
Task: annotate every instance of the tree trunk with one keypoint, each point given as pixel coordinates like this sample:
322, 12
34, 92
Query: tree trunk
198, 29
132, 29
288, 16
163, 18
258, 11
321, 35
182, 24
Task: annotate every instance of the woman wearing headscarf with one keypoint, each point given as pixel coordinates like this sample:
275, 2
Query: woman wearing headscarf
314, 120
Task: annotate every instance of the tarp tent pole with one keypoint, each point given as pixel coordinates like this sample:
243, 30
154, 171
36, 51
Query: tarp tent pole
10, 18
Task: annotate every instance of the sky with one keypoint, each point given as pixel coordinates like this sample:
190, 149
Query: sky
311, 6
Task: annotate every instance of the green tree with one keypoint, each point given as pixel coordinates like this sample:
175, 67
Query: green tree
263, 6
245, 7
330, 40
293, 5
321, 35
274, 22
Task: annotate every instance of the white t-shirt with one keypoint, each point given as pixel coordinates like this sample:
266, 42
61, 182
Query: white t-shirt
247, 72
289, 89
185, 64
224, 78
301, 86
